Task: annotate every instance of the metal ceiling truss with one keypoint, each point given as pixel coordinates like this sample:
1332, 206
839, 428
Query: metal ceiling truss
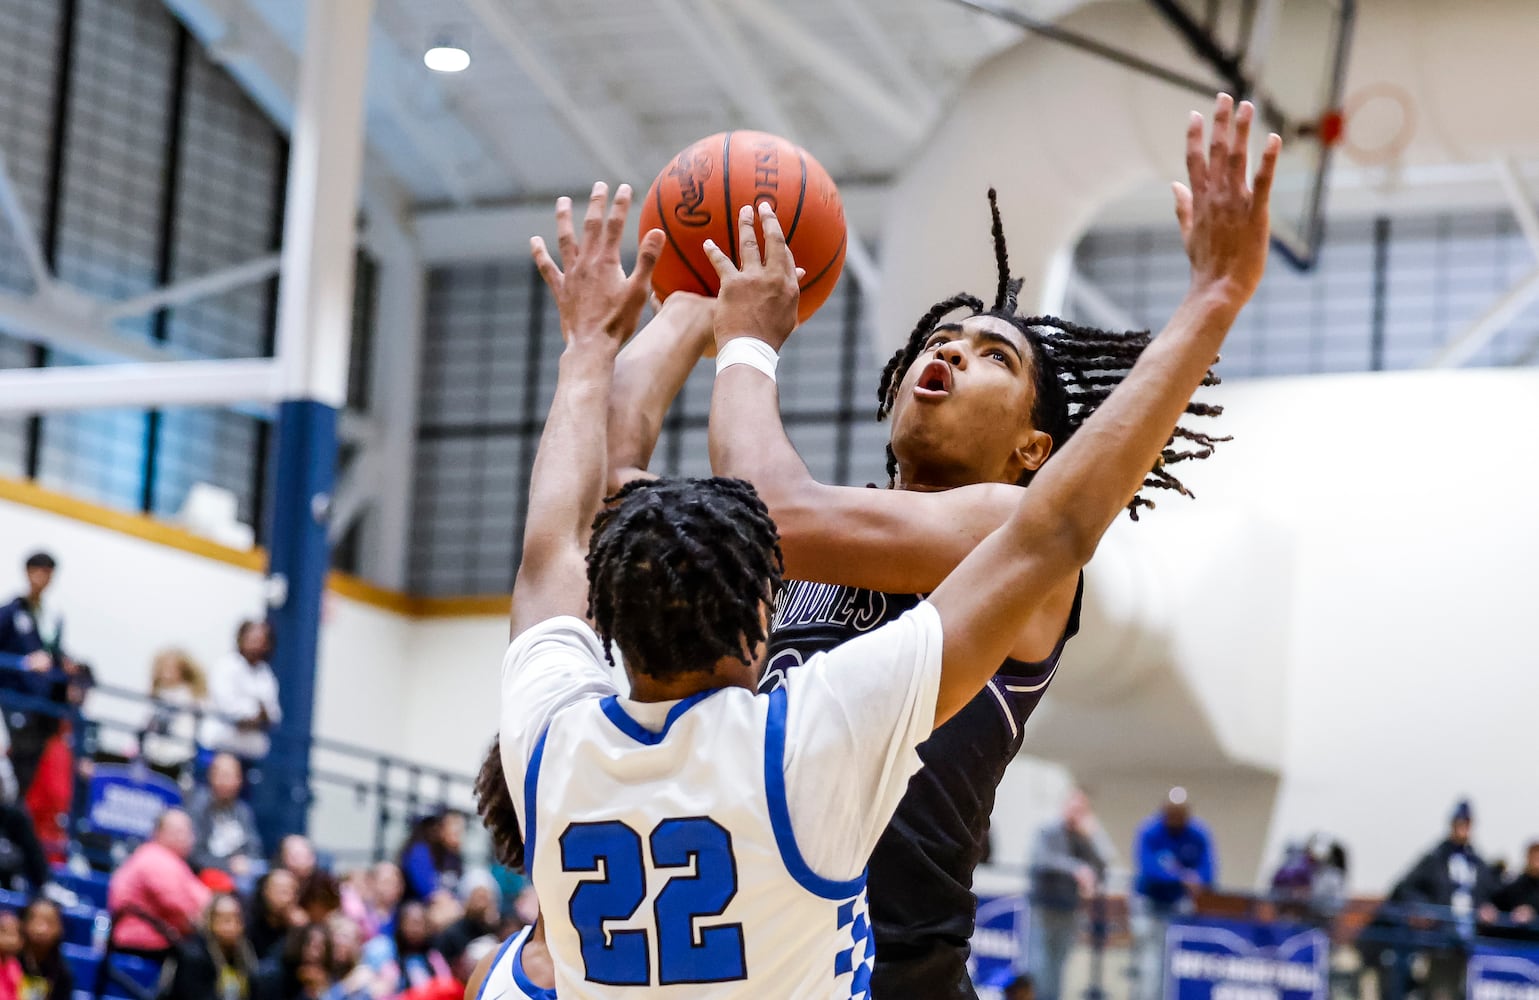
607, 156
72, 321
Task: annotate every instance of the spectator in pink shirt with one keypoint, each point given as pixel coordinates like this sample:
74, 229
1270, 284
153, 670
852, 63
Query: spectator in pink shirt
157, 880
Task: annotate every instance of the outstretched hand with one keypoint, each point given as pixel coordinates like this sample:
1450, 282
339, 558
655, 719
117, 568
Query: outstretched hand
594, 295
758, 299
1225, 221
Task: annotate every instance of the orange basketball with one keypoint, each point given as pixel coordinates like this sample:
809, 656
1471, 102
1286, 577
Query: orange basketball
699, 193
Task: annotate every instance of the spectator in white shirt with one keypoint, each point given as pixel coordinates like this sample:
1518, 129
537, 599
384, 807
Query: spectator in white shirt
243, 697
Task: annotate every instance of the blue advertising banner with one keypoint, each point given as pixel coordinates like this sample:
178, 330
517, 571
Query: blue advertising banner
1499, 972
1211, 959
1000, 937
126, 799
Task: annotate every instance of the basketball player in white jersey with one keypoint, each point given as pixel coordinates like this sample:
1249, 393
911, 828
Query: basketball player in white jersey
519, 969
649, 373
696, 839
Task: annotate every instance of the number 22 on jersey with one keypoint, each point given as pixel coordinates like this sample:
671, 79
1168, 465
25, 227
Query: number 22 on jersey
685, 953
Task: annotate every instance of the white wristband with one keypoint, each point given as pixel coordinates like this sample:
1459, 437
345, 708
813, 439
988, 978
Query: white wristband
748, 351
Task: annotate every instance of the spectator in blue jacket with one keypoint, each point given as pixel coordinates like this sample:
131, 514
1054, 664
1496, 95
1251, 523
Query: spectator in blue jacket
28, 628
431, 860
33, 630
1174, 857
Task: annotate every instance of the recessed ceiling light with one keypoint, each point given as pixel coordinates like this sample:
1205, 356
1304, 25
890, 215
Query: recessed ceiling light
446, 57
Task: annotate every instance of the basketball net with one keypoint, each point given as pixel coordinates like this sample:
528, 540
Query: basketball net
1373, 128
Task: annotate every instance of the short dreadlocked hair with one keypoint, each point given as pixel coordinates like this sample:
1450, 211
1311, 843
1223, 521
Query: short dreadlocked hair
681, 571
494, 804
1075, 369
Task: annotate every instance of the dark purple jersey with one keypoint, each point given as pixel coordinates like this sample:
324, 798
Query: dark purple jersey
921, 875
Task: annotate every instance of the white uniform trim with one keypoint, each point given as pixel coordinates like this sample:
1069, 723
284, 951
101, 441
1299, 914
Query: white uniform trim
506, 980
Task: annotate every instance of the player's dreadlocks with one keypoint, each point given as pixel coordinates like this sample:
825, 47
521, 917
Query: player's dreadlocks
1075, 367
680, 572
494, 804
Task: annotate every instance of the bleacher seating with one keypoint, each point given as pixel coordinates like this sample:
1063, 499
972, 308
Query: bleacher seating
128, 977
91, 888
83, 962
80, 924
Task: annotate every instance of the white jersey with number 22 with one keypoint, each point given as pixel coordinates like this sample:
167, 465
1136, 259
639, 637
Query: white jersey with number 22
713, 847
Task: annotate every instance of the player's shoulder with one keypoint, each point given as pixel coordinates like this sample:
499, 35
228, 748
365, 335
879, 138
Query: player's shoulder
561, 631
858, 673
555, 645
915, 632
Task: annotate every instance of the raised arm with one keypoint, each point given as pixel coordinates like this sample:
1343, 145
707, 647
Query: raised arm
649, 374
1056, 527
1034, 543
889, 540
599, 307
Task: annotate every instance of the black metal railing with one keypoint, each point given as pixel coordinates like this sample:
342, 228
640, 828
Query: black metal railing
361, 800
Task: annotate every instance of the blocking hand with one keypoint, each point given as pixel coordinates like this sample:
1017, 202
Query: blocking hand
594, 295
1225, 222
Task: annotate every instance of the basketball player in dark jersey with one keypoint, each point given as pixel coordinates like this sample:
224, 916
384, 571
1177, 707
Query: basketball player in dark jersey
977, 405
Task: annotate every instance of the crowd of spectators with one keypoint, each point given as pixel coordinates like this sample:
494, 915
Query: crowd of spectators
1450, 896
301, 932
1415, 941
31, 959
224, 913
202, 896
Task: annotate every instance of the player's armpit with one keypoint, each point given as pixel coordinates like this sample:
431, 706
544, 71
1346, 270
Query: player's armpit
1002, 583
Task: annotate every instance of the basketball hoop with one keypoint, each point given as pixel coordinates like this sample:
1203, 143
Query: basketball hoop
1375, 125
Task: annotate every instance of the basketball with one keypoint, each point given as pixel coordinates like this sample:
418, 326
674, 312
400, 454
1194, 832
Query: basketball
697, 197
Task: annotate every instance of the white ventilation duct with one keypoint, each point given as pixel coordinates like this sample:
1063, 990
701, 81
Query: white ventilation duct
1061, 134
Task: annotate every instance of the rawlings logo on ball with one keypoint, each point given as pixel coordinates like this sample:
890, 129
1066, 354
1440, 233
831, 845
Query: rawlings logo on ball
691, 170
